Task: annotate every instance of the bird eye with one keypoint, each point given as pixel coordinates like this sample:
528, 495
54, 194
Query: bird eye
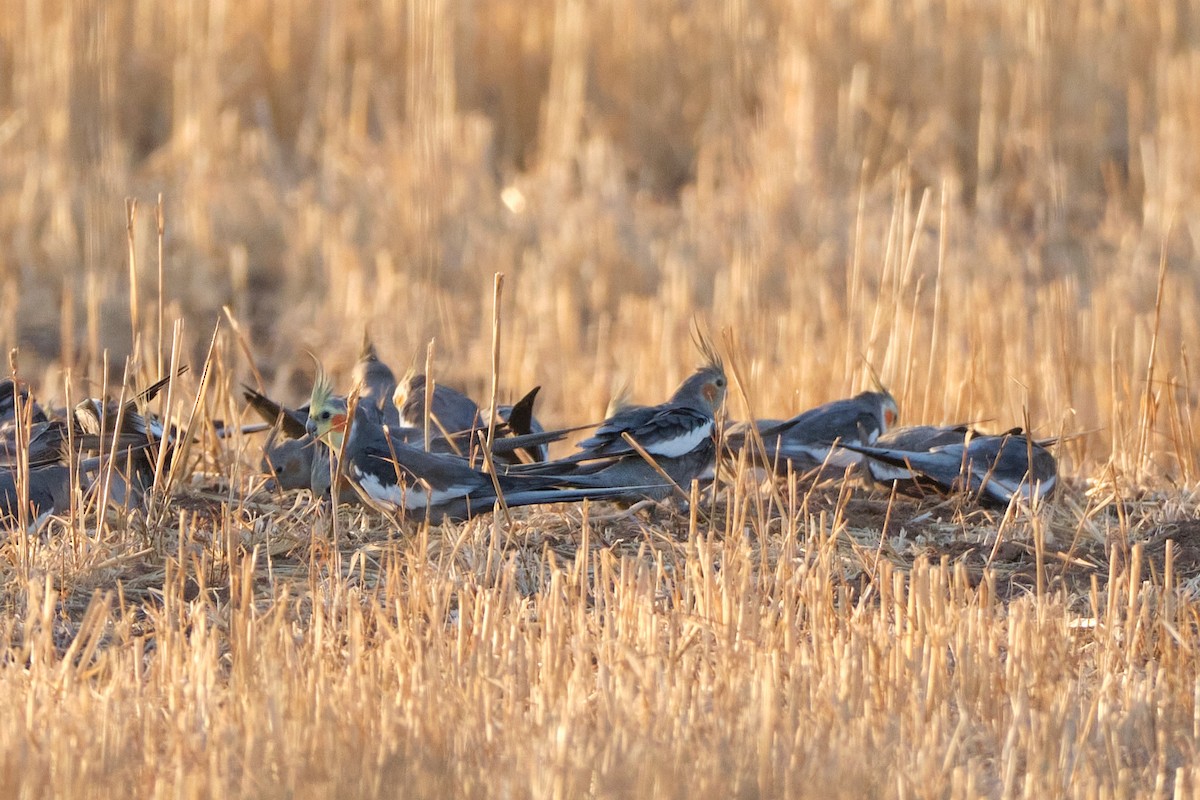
325, 414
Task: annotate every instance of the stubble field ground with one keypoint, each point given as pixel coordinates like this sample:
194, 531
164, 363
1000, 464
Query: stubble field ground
993, 206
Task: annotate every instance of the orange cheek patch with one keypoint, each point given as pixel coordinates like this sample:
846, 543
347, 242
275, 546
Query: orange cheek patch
338, 422
889, 418
709, 392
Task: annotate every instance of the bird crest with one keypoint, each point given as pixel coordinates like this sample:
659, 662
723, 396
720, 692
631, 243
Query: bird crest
322, 389
708, 350
326, 413
888, 407
705, 389
367, 352
618, 401
875, 381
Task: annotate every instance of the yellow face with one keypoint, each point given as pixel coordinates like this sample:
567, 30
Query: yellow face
327, 415
330, 425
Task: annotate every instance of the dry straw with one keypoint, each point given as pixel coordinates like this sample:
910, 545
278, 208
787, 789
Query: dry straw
993, 205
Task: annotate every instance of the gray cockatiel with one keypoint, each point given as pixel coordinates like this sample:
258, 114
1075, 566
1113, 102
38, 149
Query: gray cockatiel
390, 473
49, 492
44, 439
913, 439
450, 412
375, 384
49, 486
456, 417
993, 468
10, 391
678, 435
290, 455
807, 440
298, 460
125, 438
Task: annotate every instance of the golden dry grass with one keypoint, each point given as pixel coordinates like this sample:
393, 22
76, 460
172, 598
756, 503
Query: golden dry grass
993, 205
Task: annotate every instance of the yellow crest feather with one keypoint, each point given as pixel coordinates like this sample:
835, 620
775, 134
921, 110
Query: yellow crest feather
322, 389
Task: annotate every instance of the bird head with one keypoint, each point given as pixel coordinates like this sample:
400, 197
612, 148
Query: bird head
327, 415
889, 411
704, 389
89, 415
713, 389
412, 385
289, 463
371, 375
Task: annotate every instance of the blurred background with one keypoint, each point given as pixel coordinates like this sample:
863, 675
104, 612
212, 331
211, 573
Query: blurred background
991, 205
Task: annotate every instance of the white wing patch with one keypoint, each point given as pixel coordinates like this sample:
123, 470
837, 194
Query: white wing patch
392, 494
1042, 487
679, 445
886, 472
840, 457
410, 497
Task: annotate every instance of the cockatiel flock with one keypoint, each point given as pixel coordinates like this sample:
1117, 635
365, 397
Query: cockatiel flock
422, 449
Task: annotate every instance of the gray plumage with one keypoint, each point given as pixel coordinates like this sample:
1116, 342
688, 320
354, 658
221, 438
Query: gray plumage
289, 461
374, 381
49, 492
291, 421
40, 443
456, 419
125, 437
376, 384
677, 434
45, 440
10, 391
806, 441
913, 439
391, 474
993, 468
304, 462
49, 487
137, 438
451, 410
521, 421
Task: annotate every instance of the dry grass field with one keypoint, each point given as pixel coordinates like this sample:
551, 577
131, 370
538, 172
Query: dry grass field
995, 206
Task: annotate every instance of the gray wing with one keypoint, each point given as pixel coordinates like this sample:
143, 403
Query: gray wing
451, 408
917, 438
849, 421
995, 467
